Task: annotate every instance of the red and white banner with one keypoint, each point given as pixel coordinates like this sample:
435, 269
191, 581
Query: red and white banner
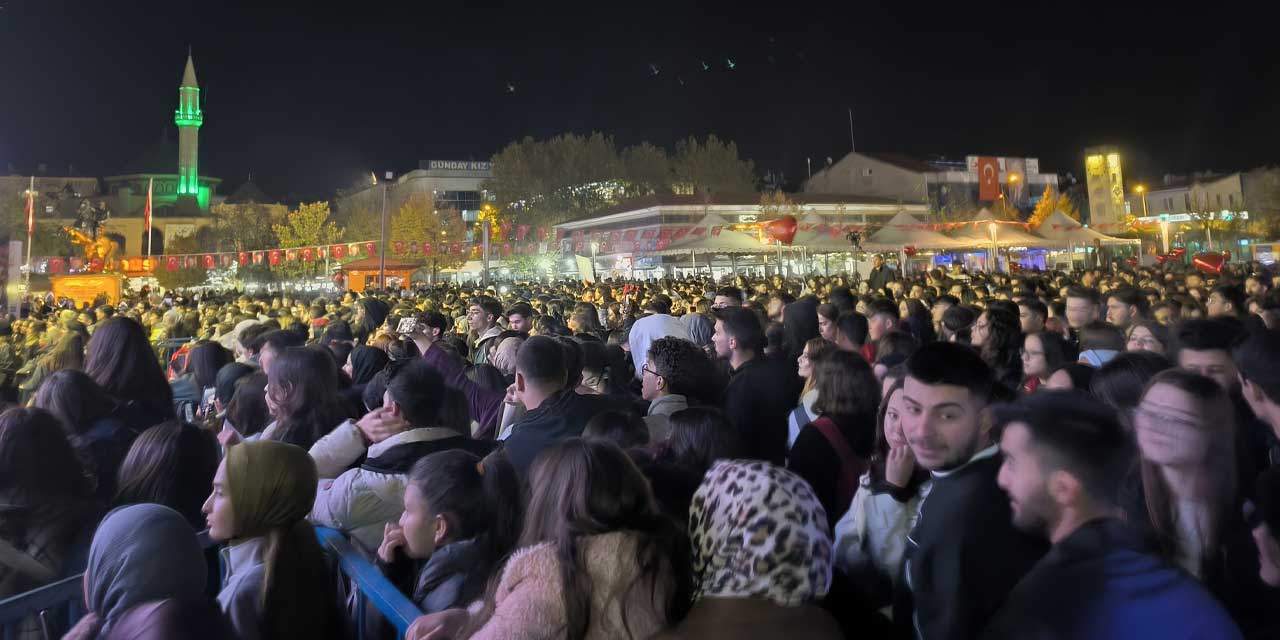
988, 178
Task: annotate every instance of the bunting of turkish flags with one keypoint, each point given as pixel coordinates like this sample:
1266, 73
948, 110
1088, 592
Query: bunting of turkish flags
207, 259
370, 248
171, 263
57, 265
339, 251
308, 254
273, 257
428, 249
398, 246
521, 232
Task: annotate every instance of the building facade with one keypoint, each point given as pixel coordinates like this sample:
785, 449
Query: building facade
452, 184
934, 182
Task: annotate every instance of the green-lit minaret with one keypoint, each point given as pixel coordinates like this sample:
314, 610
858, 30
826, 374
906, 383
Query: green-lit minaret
188, 117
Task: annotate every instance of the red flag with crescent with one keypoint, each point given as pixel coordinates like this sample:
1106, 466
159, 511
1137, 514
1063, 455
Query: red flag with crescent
988, 178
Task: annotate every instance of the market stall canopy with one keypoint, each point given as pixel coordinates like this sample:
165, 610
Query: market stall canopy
1060, 227
903, 230
713, 234
819, 236
978, 234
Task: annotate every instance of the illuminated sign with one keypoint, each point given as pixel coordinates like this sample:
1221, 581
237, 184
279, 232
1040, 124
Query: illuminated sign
1224, 215
460, 165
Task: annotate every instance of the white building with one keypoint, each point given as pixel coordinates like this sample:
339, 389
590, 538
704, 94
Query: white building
909, 180
453, 184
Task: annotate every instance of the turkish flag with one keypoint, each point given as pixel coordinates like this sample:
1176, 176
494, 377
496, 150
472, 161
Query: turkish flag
57, 265
988, 178
171, 263
370, 248
399, 246
308, 254
521, 232
207, 259
428, 249
506, 249
243, 258
273, 257
339, 251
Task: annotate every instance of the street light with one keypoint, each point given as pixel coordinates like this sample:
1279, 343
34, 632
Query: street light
995, 257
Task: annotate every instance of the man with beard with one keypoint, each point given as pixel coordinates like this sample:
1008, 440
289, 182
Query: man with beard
1065, 457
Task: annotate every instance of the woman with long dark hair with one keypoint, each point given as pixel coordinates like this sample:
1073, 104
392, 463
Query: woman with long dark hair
46, 502
1186, 499
871, 537
814, 350
67, 354
199, 372
833, 451
121, 361
277, 582
90, 418
597, 560
172, 464
461, 518
998, 336
302, 397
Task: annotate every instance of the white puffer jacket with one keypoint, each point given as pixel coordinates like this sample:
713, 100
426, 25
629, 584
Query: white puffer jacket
357, 501
872, 534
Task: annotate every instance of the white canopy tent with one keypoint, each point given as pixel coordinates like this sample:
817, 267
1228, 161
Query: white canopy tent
986, 231
1066, 231
903, 230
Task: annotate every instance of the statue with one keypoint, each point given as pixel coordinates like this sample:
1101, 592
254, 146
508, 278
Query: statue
89, 218
95, 248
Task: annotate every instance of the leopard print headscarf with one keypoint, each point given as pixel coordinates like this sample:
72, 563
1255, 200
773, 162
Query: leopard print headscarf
758, 531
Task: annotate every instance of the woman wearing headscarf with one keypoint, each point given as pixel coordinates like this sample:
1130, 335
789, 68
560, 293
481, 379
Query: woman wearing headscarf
145, 580
276, 584
761, 556
362, 364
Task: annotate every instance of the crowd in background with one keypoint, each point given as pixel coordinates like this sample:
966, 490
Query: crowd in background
940, 455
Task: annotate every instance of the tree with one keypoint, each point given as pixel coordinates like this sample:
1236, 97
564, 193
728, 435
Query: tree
307, 226
419, 221
248, 226
956, 205
712, 166
777, 204
1264, 203
647, 170
1050, 202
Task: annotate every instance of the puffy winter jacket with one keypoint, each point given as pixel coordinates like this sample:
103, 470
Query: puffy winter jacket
359, 501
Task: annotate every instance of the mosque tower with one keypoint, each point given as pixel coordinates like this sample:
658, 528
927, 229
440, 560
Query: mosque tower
188, 117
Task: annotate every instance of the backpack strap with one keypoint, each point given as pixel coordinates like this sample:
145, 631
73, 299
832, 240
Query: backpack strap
851, 465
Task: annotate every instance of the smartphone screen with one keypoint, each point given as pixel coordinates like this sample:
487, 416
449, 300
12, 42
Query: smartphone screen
406, 326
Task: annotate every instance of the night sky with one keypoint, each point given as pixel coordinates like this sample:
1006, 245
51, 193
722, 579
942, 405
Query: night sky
309, 99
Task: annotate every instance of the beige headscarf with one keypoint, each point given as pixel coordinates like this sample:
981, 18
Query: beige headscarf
505, 357
272, 485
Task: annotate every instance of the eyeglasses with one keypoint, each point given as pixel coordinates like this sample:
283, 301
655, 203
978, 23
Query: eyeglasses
645, 369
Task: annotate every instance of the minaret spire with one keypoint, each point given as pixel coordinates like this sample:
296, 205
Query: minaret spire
189, 116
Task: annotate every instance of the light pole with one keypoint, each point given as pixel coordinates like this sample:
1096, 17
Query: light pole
995, 256
382, 248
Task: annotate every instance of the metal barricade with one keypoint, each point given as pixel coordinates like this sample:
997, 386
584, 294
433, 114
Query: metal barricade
58, 606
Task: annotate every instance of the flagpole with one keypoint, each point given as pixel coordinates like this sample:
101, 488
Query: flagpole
150, 181
31, 222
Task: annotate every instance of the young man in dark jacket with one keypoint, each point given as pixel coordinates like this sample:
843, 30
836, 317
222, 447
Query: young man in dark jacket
963, 556
761, 391
555, 411
1065, 457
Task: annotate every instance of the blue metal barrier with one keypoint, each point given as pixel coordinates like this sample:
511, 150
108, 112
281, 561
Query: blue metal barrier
59, 606
371, 587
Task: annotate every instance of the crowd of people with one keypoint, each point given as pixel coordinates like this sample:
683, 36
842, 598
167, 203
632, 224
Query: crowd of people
940, 455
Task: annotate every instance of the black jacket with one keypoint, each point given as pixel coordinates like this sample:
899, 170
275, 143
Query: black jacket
562, 416
966, 555
1100, 582
760, 395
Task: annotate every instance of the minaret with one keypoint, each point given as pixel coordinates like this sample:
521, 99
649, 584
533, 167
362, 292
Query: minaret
188, 117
